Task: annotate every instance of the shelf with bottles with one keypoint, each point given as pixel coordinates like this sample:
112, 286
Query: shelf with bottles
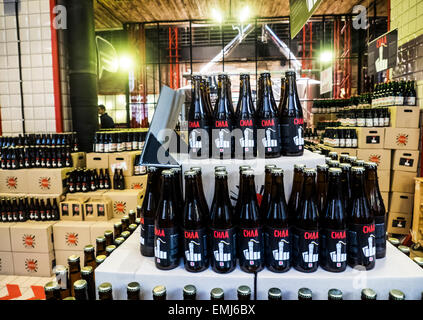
340, 137
112, 141
88, 180
394, 93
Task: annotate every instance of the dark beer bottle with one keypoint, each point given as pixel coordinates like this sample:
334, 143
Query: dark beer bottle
295, 197
133, 291
245, 147
346, 184
377, 207
87, 273
100, 245
194, 227
322, 186
199, 122
244, 293
80, 288
217, 294
110, 249
267, 194
201, 194
89, 256
292, 120
117, 229
74, 271
240, 193
177, 191
51, 291
108, 234
148, 212
250, 234
268, 120
189, 292
306, 231
277, 232
107, 182
305, 294
222, 228
159, 293
333, 228
105, 291
223, 122
274, 294
166, 231
99, 259
361, 250
125, 223
116, 180
368, 294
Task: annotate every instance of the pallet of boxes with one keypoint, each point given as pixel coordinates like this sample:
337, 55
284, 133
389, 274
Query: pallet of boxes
87, 215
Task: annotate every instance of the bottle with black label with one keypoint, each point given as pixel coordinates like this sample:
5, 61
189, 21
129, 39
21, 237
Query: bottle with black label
250, 233
246, 146
203, 200
222, 227
377, 207
361, 244
278, 242
268, 120
267, 194
292, 120
306, 232
346, 184
199, 123
333, 227
322, 185
223, 122
237, 210
148, 212
194, 227
107, 182
295, 197
166, 230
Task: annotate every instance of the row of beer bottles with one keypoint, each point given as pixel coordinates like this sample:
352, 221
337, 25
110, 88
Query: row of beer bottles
211, 130
87, 180
24, 209
41, 140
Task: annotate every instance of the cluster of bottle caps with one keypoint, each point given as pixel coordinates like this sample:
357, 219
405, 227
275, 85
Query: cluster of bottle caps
37, 151
374, 117
394, 93
29, 208
74, 282
340, 138
119, 141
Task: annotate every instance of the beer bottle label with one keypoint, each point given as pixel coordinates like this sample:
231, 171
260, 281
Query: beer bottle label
166, 245
222, 144
223, 247
411, 101
247, 143
21, 216
271, 140
197, 141
361, 244
292, 134
333, 248
306, 248
195, 248
147, 232
251, 246
380, 234
278, 246
113, 147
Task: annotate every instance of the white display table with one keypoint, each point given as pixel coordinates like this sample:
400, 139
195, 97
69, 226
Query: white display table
126, 264
395, 271
232, 166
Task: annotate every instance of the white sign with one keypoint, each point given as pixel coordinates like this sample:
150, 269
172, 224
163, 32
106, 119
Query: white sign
326, 80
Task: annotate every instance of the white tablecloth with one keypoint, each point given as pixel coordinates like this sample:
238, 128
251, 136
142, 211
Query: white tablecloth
232, 166
125, 264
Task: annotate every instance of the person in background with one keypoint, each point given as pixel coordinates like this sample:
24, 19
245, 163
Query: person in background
106, 120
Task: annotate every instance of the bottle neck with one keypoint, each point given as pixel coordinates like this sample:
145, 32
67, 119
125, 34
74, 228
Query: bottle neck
221, 191
334, 188
278, 190
357, 186
191, 191
249, 190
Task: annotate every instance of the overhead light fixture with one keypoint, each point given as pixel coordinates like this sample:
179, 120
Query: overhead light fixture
326, 56
125, 63
217, 15
244, 14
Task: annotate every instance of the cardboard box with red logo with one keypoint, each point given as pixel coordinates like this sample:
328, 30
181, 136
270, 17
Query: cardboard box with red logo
402, 139
32, 237
79, 159
124, 200
97, 160
47, 181
380, 156
399, 223
406, 160
6, 263
98, 228
13, 181
34, 264
370, 138
123, 160
5, 238
136, 182
98, 208
73, 207
402, 202
402, 181
72, 235
404, 117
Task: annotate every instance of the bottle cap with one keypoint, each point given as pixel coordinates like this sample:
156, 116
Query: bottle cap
309, 171
190, 290
368, 294
345, 166
108, 233
216, 293
299, 166
69, 298
110, 248
369, 164
105, 287
167, 173
125, 234
159, 291
335, 294
220, 174
357, 169
175, 170
335, 171
418, 260
277, 171
89, 248
394, 241
333, 153
80, 284
118, 224
275, 293
396, 294
50, 286
125, 218
198, 169
268, 167
100, 239
248, 172
73, 258
190, 173
244, 167
86, 270
322, 167
404, 249
132, 227
133, 286
100, 258
119, 241
151, 169
305, 293
219, 168
244, 290
333, 163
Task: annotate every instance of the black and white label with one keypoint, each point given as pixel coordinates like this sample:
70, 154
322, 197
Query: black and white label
406, 162
306, 246
198, 141
195, 248
222, 137
271, 140
278, 246
147, 232
223, 247
411, 101
361, 243
249, 136
251, 247
292, 134
380, 234
372, 139
166, 245
333, 248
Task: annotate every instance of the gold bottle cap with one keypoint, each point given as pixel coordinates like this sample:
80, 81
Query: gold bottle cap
105, 287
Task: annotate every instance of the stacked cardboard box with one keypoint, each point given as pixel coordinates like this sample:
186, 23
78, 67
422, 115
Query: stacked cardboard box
6, 255
417, 224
